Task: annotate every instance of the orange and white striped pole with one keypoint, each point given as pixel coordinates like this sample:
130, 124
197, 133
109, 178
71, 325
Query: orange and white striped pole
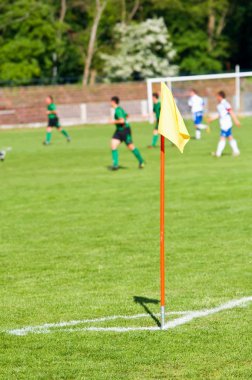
162, 230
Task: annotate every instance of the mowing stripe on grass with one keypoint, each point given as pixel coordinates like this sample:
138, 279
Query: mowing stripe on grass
187, 316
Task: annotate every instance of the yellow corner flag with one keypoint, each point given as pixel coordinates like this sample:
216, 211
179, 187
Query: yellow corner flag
171, 124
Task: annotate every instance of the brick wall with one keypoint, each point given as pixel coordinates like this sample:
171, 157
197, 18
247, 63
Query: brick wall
20, 105
23, 105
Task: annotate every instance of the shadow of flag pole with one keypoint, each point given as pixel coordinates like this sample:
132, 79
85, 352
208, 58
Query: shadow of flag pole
171, 126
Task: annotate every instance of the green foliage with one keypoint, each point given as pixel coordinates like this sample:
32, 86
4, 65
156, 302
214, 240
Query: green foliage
207, 35
194, 56
198, 51
28, 40
239, 31
74, 39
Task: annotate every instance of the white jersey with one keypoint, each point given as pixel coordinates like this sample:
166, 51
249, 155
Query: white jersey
224, 109
196, 103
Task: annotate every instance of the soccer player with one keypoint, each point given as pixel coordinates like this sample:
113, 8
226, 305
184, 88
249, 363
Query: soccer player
225, 116
196, 103
53, 121
122, 134
156, 111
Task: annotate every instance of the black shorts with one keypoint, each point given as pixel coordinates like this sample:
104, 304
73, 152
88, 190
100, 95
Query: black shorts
123, 136
156, 125
54, 122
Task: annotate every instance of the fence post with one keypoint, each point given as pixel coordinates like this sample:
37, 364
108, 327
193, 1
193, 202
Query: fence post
144, 108
237, 88
150, 102
83, 113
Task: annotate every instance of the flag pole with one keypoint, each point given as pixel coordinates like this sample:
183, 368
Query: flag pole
162, 230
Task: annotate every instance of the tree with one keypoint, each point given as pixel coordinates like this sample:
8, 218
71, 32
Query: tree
27, 40
63, 9
128, 15
238, 30
57, 54
143, 50
197, 29
72, 36
100, 6
217, 15
72, 23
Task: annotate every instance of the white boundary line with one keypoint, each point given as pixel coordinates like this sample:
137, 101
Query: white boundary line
187, 316
47, 326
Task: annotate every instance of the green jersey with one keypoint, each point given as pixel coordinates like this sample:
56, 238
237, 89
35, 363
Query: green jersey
51, 107
157, 109
121, 114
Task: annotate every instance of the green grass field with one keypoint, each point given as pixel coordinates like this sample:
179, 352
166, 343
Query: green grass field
79, 241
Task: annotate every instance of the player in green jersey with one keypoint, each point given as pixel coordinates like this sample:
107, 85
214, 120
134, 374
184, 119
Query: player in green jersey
156, 111
122, 134
53, 121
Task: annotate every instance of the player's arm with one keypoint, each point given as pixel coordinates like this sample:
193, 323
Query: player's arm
118, 121
52, 111
235, 118
212, 118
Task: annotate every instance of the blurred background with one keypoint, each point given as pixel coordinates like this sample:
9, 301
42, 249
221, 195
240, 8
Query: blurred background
84, 51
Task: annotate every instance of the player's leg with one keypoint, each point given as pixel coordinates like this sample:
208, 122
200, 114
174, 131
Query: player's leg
137, 154
129, 142
234, 146
114, 150
63, 131
48, 135
199, 126
197, 130
197, 133
202, 126
154, 136
220, 147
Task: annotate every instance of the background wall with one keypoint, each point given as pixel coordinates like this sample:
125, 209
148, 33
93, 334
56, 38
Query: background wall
23, 106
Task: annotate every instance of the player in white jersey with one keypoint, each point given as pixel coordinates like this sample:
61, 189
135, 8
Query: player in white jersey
196, 103
225, 116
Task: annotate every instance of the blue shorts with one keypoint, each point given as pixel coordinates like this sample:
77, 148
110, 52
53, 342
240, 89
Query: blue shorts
198, 117
226, 133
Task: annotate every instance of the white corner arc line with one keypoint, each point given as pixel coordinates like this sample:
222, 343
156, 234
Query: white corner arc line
187, 316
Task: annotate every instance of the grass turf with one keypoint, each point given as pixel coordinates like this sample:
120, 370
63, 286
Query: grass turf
79, 241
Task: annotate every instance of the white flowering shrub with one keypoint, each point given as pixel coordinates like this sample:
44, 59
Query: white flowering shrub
144, 50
